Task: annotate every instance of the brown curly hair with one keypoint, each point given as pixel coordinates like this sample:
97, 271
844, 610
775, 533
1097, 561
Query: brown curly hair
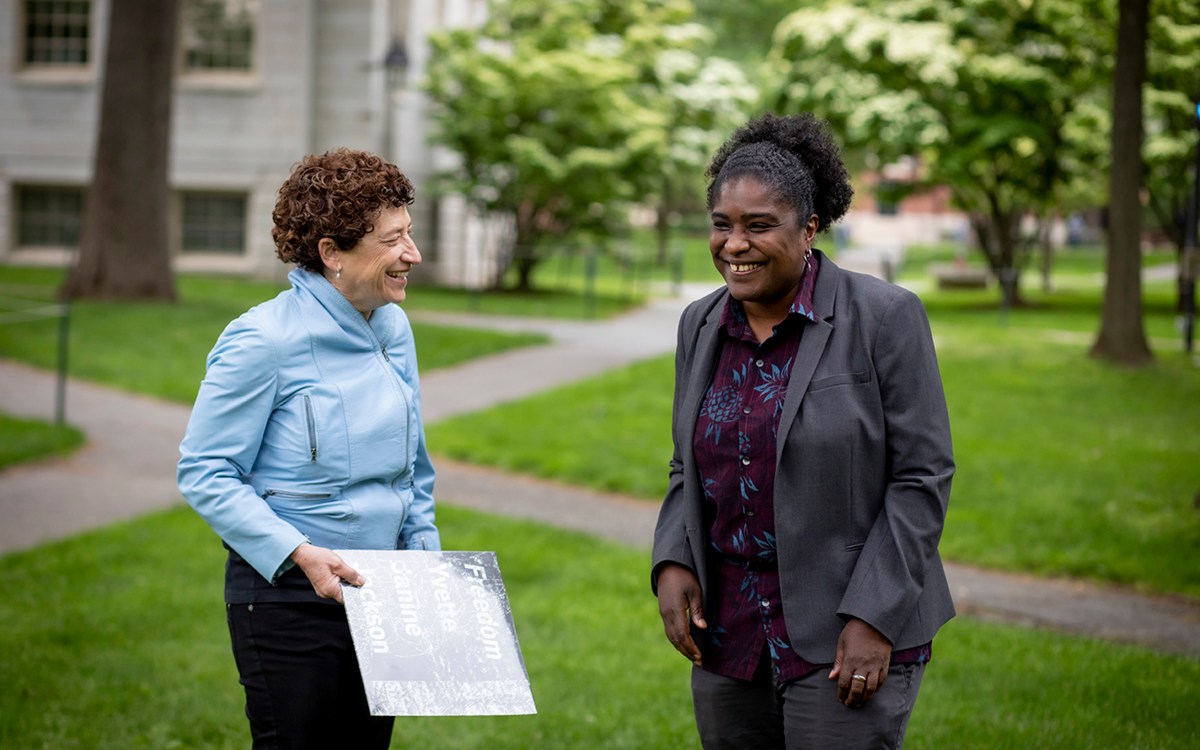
338, 195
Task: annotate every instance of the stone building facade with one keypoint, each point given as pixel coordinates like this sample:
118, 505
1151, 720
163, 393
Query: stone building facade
259, 84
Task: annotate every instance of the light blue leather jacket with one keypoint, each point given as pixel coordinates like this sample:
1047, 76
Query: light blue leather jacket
307, 427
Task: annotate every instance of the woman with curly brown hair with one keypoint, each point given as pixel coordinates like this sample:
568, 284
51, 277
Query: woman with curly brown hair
306, 437
795, 559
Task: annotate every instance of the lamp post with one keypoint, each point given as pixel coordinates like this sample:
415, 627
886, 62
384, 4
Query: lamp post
396, 62
395, 65
1188, 257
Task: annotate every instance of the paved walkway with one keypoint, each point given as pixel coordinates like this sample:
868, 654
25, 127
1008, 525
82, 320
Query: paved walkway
127, 469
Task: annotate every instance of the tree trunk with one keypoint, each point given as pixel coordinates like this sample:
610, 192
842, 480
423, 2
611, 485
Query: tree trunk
525, 266
525, 255
997, 242
1122, 336
662, 225
124, 250
1046, 246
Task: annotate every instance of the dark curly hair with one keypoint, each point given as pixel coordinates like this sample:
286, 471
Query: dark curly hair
795, 156
338, 195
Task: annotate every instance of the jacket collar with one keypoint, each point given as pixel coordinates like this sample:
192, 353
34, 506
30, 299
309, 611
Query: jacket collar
339, 308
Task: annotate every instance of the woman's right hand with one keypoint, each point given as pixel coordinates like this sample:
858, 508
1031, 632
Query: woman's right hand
680, 608
325, 570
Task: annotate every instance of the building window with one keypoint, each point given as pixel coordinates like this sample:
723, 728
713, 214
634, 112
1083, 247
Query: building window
48, 217
214, 223
218, 35
57, 32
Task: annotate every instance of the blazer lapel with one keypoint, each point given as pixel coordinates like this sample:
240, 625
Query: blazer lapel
700, 369
812, 348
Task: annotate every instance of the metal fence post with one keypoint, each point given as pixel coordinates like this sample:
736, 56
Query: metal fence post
589, 288
60, 394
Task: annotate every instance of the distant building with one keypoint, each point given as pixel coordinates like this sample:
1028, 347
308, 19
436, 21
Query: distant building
259, 84
887, 211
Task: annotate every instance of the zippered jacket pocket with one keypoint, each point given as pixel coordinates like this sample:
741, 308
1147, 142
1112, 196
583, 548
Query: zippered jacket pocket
310, 422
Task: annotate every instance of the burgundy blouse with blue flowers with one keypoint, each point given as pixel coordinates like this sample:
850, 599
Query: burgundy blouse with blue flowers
734, 445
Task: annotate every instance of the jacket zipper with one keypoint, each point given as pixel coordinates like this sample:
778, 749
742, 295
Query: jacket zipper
289, 493
399, 390
312, 428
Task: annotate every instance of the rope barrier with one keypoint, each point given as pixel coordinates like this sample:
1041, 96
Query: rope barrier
29, 314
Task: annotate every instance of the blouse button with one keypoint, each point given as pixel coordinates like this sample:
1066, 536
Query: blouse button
745, 460
758, 363
746, 410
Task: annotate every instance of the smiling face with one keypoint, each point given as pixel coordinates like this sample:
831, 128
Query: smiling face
375, 271
758, 246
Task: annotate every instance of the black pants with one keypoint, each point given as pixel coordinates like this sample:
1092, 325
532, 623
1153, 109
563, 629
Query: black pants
303, 686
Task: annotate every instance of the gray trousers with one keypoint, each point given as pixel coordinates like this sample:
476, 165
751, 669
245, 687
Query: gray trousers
801, 714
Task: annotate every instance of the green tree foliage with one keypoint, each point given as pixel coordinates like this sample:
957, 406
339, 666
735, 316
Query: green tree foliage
703, 100
1172, 91
743, 30
1005, 101
563, 115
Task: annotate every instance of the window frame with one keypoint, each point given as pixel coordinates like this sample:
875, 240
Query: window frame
19, 212
181, 230
201, 77
55, 72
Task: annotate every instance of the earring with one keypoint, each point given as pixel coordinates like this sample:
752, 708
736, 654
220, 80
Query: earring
338, 274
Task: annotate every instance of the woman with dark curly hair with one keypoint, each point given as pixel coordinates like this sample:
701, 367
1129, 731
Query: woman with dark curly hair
795, 559
306, 437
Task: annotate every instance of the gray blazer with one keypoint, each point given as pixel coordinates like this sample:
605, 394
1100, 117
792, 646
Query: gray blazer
863, 465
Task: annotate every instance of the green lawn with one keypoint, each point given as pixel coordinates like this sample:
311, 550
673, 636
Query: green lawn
610, 432
1071, 466
159, 348
123, 645
27, 439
